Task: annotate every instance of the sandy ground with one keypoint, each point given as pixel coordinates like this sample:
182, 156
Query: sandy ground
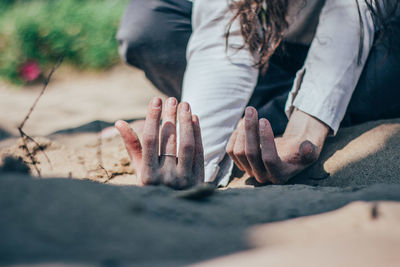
356, 235
99, 218
74, 108
72, 221
74, 98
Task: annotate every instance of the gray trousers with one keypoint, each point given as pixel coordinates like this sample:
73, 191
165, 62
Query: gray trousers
153, 36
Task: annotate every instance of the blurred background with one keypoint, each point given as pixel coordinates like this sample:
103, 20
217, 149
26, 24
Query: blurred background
35, 33
92, 83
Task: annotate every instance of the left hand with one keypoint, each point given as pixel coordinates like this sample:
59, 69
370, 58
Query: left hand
155, 159
275, 160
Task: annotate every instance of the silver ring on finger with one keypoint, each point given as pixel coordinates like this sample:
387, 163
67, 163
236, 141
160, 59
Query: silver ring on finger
168, 155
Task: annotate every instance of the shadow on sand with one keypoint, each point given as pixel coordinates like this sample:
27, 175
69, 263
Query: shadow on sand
4, 134
361, 169
91, 127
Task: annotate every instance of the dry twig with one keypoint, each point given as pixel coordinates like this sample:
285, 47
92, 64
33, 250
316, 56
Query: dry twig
99, 155
26, 137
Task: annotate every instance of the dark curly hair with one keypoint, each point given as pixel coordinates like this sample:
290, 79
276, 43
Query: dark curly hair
263, 23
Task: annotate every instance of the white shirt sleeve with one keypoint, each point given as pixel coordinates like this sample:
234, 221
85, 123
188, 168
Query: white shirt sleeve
324, 86
217, 84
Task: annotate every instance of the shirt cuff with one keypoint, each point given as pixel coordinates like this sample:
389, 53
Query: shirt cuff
219, 171
325, 107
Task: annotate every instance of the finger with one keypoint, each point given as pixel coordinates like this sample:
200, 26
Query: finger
168, 133
239, 150
308, 152
150, 142
198, 163
229, 149
252, 145
269, 153
186, 142
132, 143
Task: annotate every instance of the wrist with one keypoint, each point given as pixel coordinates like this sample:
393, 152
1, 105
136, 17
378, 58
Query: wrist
303, 126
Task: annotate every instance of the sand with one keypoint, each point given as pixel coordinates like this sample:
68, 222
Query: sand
74, 98
72, 221
361, 155
78, 105
94, 215
356, 235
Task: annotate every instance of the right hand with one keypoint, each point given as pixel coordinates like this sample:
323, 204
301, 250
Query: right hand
154, 160
254, 149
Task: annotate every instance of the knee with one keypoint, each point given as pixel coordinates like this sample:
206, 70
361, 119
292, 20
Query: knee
122, 49
148, 32
132, 43
136, 30
129, 50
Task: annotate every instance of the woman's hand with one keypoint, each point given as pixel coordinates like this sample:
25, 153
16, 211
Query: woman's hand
155, 159
255, 150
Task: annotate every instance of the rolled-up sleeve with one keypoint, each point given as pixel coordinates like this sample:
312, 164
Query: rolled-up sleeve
324, 86
217, 83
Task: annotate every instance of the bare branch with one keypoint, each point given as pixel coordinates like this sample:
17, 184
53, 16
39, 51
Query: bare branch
26, 137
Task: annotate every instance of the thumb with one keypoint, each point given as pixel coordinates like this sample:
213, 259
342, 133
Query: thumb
308, 152
132, 143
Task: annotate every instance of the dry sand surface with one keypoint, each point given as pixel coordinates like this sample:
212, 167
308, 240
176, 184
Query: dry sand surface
99, 218
74, 98
357, 235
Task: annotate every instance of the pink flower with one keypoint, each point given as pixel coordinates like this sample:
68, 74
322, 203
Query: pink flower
30, 71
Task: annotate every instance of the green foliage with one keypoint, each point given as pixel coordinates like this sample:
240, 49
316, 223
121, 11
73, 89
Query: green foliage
82, 31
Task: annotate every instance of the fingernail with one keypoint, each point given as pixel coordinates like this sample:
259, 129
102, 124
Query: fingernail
249, 113
308, 152
171, 102
156, 103
195, 119
185, 106
263, 124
